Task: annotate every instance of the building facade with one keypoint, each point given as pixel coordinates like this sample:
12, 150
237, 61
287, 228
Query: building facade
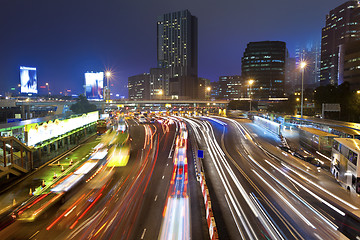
159, 83
204, 88
177, 43
291, 75
352, 64
139, 87
311, 55
342, 26
264, 62
177, 53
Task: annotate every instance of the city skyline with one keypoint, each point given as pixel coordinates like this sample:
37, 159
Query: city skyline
106, 41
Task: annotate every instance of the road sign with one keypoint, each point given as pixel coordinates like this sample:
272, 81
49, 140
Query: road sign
200, 154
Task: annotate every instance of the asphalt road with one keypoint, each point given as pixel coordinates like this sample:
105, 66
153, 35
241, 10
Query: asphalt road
260, 192
121, 202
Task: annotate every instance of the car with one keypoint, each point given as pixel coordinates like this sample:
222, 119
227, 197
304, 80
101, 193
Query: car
285, 149
298, 155
142, 119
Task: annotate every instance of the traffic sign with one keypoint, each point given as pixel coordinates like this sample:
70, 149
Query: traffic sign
200, 154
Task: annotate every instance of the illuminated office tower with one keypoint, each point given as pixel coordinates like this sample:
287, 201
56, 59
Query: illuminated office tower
177, 53
342, 26
264, 63
177, 47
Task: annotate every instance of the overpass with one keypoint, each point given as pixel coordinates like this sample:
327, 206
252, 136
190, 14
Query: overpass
62, 106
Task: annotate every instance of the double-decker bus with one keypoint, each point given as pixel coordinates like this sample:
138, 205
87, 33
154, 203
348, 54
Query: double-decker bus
345, 162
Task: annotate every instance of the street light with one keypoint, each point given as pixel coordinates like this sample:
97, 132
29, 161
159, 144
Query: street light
251, 82
48, 87
302, 66
208, 89
108, 75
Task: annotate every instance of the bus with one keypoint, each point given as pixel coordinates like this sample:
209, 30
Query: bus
345, 132
101, 126
345, 162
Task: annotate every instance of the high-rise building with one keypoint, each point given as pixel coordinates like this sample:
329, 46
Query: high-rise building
177, 47
311, 55
229, 87
177, 52
264, 62
139, 87
215, 86
352, 64
342, 26
204, 88
159, 83
291, 76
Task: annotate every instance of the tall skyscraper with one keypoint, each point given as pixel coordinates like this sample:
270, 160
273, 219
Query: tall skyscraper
177, 53
342, 26
177, 43
264, 62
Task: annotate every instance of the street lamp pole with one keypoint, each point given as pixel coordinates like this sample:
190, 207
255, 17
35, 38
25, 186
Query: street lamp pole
207, 92
48, 88
108, 74
251, 82
302, 66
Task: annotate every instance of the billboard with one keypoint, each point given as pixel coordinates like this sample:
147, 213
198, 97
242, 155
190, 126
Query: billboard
94, 83
28, 80
37, 133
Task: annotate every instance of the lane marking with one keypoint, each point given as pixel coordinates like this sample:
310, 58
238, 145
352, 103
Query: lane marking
162, 177
34, 235
143, 234
156, 198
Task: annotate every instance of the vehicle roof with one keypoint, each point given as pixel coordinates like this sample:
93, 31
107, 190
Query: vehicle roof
347, 130
318, 132
351, 143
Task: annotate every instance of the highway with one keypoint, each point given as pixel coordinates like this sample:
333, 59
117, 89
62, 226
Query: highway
121, 201
257, 190
260, 192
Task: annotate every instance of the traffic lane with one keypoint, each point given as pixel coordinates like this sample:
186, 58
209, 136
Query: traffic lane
110, 210
309, 198
13, 231
20, 191
245, 178
61, 230
231, 219
316, 179
155, 196
294, 165
317, 175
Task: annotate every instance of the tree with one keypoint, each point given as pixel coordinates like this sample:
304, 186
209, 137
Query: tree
82, 105
342, 94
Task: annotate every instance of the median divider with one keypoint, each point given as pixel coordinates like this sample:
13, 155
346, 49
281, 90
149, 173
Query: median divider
200, 176
209, 213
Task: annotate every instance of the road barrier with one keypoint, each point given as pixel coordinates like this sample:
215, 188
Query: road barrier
209, 213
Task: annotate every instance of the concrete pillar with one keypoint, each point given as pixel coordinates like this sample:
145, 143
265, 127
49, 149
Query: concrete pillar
4, 150
11, 152
22, 109
22, 157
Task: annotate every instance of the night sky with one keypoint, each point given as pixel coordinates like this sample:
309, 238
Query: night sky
66, 38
